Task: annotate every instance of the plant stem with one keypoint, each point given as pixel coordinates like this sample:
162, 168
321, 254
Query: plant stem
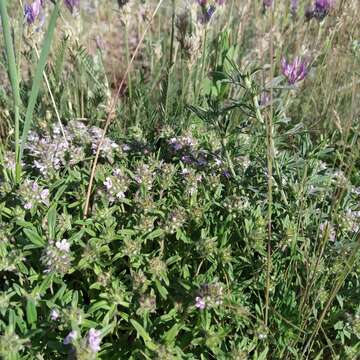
14, 79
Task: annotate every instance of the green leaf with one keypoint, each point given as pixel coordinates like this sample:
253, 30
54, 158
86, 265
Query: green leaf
169, 336
31, 313
102, 304
14, 80
34, 237
162, 290
52, 222
45, 50
145, 336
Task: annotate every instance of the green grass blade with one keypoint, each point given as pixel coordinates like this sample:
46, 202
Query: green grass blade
14, 78
38, 76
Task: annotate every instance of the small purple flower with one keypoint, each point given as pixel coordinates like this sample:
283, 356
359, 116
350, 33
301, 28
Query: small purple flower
108, 183
32, 11
63, 245
295, 71
54, 315
264, 98
94, 339
72, 335
200, 303
322, 8
72, 4
294, 7
267, 3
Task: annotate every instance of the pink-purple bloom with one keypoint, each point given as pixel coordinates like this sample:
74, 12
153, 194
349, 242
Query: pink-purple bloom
322, 8
295, 71
294, 6
267, 3
72, 4
94, 339
32, 11
54, 314
200, 303
70, 337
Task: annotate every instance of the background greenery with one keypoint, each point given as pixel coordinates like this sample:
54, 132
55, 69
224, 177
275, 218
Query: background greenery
223, 219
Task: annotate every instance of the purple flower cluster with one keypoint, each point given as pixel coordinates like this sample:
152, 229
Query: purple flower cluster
208, 10
70, 337
295, 71
72, 4
322, 8
319, 10
51, 150
33, 11
267, 3
32, 194
294, 6
210, 295
116, 185
93, 340
56, 257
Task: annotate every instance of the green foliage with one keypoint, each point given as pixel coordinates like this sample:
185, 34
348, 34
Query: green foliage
178, 257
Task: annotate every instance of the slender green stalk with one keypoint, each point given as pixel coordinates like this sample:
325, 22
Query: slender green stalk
203, 58
127, 54
38, 77
14, 79
349, 264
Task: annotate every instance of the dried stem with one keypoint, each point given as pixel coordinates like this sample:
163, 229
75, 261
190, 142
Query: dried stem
111, 110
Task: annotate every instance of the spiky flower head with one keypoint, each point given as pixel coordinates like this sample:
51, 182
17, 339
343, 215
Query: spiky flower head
294, 71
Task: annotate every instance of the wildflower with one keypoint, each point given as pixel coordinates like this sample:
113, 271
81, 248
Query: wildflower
267, 3
295, 71
94, 339
54, 314
108, 183
63, 245
32, 11
72, 4
147, 304
116, 185
56, 257
264, 98
294, 6
32, 195
322, 8
200, 303
70, 337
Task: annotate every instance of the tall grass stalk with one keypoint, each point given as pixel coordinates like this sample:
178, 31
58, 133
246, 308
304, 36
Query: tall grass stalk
112, 109
14, 80
38, 77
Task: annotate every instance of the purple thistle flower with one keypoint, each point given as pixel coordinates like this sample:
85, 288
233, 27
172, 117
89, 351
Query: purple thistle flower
94, 339
295, 71
322, 8
72, 4
200, 303
32, 11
